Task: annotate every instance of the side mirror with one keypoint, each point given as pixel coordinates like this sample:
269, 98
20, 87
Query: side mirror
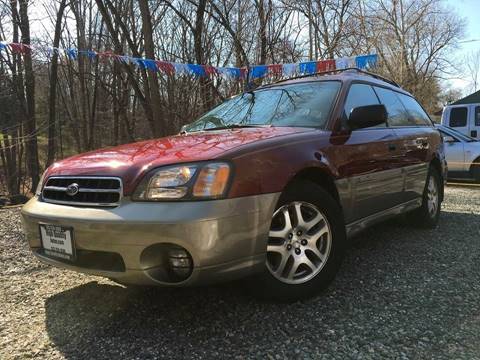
448, 139
367, 116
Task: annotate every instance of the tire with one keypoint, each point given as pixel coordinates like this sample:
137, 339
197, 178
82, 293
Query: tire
291, 249
426, 216
476, 170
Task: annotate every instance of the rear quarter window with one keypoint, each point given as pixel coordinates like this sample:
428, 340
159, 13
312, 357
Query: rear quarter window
458, 117
477, 116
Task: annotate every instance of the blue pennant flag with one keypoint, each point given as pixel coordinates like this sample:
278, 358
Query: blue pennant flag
196, 70
366, 61
3, 46
140, 63
72, 54
91, 54
150, 64
309, 67
258, 71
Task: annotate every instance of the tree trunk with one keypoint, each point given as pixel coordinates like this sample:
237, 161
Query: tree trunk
160, 125
30, 124
53, 87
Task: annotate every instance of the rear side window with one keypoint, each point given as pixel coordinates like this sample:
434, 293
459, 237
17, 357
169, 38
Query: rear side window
477, 116
417, 116
360, 95
458, 117
397, 114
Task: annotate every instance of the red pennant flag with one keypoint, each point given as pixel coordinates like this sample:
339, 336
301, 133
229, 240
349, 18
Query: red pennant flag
20, 48
243, 72
210, 70
275, 69
166, 67
325, 65
104, 56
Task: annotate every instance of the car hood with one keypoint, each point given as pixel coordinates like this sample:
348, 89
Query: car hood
131, 161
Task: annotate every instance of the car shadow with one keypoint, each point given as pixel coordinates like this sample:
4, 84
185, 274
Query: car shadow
391, 287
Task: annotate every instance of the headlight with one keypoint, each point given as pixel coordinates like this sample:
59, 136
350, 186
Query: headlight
183, 182
38, 191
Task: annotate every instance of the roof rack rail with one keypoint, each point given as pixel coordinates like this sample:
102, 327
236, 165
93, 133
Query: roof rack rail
379, 77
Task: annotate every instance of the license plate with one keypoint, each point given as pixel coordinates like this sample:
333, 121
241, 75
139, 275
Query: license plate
57, 241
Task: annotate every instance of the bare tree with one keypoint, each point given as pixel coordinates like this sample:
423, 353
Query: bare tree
472, 65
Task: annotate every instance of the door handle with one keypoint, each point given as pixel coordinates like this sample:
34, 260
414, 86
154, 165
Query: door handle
422, 143
392, 147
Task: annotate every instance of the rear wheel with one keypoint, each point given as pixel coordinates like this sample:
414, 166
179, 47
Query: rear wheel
476, 170
427, 215
306, 244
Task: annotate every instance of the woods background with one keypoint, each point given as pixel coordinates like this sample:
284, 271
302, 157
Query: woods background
52, 106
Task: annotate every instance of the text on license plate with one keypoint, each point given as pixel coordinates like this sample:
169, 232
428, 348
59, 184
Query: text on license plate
57, 241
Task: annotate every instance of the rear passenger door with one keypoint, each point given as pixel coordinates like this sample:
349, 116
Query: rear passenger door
416, 134
371, 181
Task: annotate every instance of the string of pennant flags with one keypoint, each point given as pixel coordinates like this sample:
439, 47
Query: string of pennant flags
364, 62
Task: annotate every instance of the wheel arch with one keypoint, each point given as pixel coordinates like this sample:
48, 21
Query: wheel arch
320, 177
474, 163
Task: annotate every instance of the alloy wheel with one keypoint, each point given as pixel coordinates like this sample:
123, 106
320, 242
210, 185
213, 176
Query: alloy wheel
432, 196
299, 243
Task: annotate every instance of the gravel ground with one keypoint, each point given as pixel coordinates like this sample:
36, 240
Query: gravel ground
401, 293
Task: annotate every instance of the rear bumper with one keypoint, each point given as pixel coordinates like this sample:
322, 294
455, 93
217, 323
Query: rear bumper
225, 238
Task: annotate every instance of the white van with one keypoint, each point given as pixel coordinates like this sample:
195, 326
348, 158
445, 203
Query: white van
463, 118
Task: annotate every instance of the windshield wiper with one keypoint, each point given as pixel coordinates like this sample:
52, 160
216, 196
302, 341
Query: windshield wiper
238, 126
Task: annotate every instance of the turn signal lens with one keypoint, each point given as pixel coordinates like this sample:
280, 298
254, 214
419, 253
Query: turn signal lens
212, 180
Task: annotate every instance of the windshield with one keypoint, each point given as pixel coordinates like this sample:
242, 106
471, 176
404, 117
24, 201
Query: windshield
299, 105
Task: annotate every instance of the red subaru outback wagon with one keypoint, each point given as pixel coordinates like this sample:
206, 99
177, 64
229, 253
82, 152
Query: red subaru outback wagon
270, 184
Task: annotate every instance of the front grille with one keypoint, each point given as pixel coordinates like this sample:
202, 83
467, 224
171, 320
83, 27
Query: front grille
83, 191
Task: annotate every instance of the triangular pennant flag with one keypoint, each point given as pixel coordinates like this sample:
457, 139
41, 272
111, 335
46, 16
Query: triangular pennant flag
366, 61
196, 70
275, 69
166, 67
18, 48
345, 62
72, 54
325, 65
289, 69
309, 67
258, 71
210, 70
181, 69
150, 64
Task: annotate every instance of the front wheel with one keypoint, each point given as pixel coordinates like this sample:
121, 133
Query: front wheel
306, 244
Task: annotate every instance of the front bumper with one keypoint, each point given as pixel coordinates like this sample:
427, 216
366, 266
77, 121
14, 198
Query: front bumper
225, 238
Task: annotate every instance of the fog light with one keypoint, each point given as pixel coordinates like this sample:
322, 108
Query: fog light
167, 263
180, 263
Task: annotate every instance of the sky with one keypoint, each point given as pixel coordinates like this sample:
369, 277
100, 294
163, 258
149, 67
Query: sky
470, 11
